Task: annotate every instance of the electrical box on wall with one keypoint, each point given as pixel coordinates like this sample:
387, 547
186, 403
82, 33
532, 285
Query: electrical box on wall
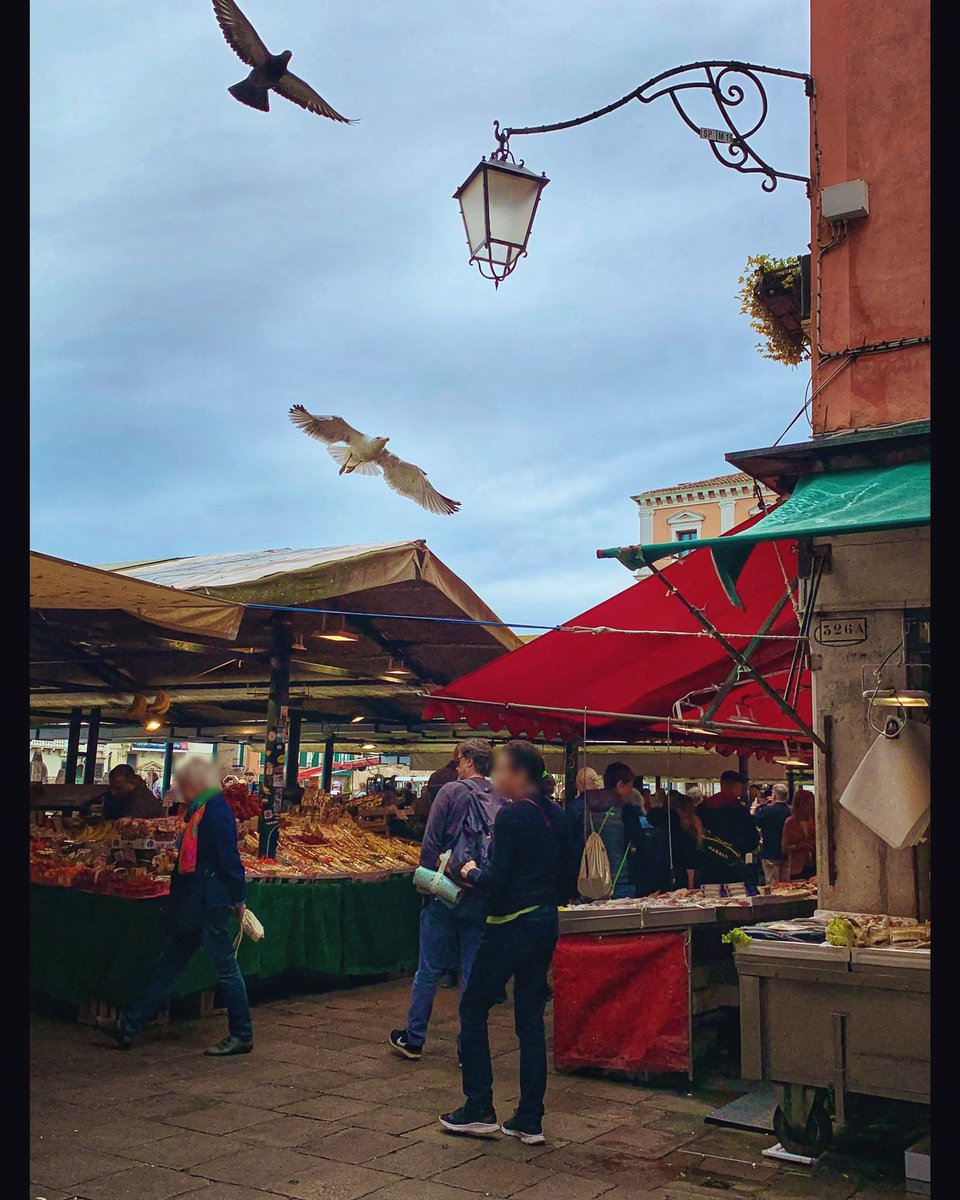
845, 201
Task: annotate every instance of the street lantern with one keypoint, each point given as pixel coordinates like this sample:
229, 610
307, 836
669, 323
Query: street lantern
498, 202
499, 199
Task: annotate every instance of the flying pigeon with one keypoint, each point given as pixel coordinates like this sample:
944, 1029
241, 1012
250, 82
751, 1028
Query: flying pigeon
361, 455
269, 70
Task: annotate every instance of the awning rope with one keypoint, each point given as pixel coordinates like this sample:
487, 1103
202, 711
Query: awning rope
592, 629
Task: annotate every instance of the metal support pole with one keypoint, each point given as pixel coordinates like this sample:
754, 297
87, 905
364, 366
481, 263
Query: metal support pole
743, 770
787, 709
275, 746
570, 752
293, 747
791, 782
73, 746
93, 739
326, 774
167, 765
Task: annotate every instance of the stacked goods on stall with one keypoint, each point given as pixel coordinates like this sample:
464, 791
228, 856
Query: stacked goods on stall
128, 857
310, 849
703, 898
135, 856
854, 931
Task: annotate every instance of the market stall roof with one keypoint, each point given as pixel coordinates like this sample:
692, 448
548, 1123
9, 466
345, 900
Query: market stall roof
843, 502
626, 668
412, 623
56, 583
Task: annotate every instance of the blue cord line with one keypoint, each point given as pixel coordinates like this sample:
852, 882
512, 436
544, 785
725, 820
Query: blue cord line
340, 612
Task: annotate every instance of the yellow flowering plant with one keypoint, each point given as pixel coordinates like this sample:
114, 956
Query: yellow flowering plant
777, 343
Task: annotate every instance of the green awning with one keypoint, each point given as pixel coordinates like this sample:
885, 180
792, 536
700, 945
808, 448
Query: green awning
856, 501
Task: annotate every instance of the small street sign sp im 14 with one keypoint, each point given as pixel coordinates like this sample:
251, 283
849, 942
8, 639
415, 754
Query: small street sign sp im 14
717, 135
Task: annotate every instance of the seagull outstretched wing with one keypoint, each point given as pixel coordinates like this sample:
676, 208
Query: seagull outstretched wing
324, 429
411, 481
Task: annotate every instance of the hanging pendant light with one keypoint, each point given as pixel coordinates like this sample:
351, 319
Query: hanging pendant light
498, 202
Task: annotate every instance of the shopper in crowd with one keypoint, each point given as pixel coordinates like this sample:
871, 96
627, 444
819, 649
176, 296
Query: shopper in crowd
670, 855
421, 806
609, 813
729, 833
799, 836
588, 781
449, 937
206, 886
38, 768
128, 795
770, 817
694, 791
755, 797
526, 877
691, 840
446, 774
156, 786
251, 781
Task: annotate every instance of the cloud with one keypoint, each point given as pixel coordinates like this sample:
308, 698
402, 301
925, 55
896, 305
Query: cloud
199, 267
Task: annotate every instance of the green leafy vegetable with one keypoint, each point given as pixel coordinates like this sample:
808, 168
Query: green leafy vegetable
840, 932
736, 937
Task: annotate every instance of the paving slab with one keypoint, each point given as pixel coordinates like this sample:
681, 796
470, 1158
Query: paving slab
493, 1176
324, 1110
140, 1183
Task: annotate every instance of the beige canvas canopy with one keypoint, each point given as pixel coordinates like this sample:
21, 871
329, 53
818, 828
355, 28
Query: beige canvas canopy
56, 583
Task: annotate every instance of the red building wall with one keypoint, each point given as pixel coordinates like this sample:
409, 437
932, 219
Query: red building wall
870, 63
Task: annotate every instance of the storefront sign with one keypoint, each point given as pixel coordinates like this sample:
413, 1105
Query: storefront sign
841, 631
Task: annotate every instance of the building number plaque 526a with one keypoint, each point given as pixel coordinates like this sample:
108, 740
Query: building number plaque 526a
841, 631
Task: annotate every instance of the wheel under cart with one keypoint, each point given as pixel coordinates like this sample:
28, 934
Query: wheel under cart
815, 1017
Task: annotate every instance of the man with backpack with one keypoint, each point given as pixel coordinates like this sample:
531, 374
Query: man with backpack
461, 821
604, 828
729, 833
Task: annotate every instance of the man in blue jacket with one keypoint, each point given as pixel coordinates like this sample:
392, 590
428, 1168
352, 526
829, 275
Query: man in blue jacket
207, 885
448, 936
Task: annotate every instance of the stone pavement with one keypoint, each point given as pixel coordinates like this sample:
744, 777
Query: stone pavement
323, 1110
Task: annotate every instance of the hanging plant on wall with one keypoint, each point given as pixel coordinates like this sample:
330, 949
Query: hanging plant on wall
770, 295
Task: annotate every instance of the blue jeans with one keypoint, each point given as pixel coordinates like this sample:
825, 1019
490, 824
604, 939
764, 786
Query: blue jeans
447, 937
213, 934
522, 948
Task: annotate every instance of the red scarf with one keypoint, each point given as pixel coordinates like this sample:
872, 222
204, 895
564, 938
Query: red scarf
187, 855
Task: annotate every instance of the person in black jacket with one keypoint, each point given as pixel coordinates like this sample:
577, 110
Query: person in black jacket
207, 884
527, 876
729, 833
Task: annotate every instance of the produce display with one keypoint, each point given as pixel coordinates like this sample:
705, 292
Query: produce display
128, 857
687, 898
134, 857
851, 930
313, 849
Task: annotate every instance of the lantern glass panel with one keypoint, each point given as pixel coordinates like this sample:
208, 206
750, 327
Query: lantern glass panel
471, 204
512, 199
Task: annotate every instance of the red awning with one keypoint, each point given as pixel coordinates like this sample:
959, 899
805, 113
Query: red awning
617, 676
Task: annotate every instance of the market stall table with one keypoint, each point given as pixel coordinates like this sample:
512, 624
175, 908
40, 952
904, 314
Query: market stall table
851, 1017
629, 977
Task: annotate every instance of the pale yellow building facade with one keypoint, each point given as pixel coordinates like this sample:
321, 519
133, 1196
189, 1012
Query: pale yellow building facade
705, 508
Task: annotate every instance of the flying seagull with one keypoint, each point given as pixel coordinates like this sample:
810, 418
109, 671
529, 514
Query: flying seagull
269, 70
358, 454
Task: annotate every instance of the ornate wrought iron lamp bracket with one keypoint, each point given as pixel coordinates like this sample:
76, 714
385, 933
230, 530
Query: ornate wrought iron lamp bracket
729, 83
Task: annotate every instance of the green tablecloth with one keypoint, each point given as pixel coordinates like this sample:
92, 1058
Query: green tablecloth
85, 946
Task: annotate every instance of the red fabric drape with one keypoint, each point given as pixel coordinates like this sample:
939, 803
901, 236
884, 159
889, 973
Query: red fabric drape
621, 1002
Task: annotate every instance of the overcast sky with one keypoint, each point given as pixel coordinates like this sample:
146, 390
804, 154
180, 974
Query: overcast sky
198, 267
